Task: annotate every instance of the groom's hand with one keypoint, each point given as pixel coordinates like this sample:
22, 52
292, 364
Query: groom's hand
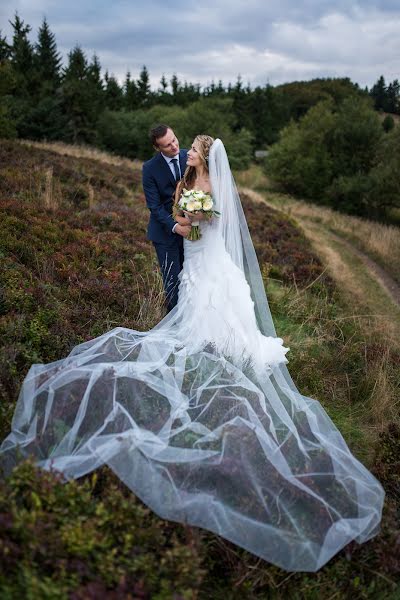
183, 230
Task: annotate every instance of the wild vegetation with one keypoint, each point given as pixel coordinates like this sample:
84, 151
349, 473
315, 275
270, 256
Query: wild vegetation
340, 156
75, 262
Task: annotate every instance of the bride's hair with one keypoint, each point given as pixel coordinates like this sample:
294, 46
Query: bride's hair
202, 143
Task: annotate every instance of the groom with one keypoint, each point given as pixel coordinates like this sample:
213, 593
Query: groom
160, 176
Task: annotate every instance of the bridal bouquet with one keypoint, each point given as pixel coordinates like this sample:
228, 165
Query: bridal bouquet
196, 201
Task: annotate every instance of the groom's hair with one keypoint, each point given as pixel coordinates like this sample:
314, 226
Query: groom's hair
158, 131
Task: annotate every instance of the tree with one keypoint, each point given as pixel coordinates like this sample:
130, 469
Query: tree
48, 60
114, 97
188, 93
388, 123
27, 79
175, 85
96, 84
143, 88
163, 84
7, 85
131, 99
393, 97
77, 99
163, 96
355, 137
378, 93
300, 162
5, 48
22, 60
43, 118
384, 177
374, 194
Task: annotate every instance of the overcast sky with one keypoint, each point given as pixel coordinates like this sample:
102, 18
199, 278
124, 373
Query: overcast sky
261, 40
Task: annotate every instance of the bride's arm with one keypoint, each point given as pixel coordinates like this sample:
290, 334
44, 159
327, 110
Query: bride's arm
177, 213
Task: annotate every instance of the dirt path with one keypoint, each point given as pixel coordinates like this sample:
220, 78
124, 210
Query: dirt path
391, 286
363, 283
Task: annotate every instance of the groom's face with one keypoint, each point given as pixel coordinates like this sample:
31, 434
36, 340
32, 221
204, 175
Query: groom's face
168, 144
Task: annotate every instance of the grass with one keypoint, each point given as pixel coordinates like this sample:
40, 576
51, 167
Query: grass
78, 264
84, 152
360, 289
381, 242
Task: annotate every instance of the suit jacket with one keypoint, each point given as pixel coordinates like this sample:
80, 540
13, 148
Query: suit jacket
159, 189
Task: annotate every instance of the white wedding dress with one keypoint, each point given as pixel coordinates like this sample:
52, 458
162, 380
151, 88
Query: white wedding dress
215, 306
200, 417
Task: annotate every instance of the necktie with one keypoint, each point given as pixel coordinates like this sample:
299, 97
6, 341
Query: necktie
176, 169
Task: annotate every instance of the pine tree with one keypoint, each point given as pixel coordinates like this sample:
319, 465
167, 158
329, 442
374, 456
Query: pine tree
240, 105
7, 87
163, 96
131, 98
143, 85
5, 48
96, 84
48, 60
45, 118
78, 103
393, 97
187, 94
175, 85
378, 93
163, 84
114, 99
220, 90
22, 60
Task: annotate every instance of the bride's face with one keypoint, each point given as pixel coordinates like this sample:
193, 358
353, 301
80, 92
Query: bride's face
193, 157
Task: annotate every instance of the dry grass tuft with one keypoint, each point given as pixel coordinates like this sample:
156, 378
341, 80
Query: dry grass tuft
151, 299
384, 401
91, 199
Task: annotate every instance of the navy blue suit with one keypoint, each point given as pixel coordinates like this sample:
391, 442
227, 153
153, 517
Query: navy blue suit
159, 189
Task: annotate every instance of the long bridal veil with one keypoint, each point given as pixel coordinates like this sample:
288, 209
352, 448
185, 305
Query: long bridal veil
199, 438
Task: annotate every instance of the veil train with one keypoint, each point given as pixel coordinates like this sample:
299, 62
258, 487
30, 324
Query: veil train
198, 437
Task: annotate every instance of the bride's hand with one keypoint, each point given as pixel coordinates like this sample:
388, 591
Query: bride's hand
194, 216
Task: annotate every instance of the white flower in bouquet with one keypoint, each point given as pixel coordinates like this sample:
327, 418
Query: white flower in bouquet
196, 201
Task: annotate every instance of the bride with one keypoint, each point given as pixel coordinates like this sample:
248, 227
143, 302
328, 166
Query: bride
199, 416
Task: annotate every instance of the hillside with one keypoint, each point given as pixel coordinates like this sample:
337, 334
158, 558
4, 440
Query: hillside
75, 262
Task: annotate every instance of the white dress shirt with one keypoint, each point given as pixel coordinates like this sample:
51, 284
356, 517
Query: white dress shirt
169, 160
171, 166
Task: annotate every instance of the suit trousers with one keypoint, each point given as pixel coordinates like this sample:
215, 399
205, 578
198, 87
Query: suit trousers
170, 259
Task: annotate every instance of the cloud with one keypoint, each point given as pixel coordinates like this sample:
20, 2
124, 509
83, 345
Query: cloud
211, 40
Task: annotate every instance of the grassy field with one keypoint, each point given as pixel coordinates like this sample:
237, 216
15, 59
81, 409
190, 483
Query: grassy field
381, 242
75, 262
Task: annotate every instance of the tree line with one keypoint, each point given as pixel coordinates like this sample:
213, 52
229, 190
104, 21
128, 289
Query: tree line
340, 156
42, 99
